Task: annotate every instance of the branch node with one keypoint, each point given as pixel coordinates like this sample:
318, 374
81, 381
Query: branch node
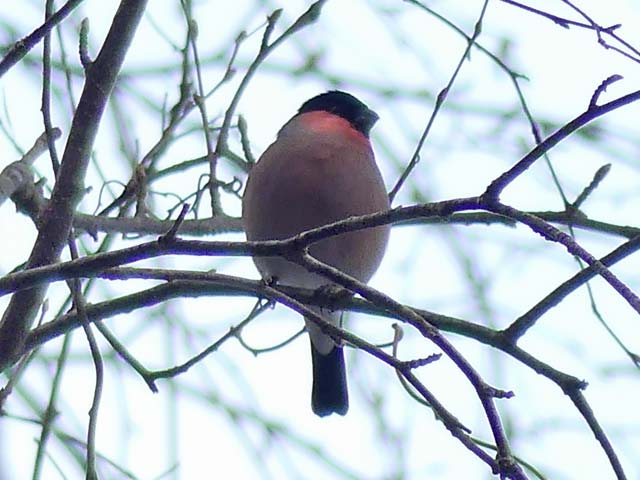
83, 45
173, 231
600, 175
498, 393
603, 88
421, 362
271, 24
244, 140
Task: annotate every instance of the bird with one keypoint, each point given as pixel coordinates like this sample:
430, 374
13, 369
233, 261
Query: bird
320, 169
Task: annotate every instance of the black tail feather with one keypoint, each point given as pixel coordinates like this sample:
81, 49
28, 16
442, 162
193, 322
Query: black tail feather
329, 392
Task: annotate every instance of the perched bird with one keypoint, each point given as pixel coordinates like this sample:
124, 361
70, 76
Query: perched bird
320, 169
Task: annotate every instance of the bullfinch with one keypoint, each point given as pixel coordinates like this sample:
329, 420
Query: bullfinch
320, 169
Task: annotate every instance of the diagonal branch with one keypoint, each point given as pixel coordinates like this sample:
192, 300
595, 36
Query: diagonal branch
496, 187
22, 47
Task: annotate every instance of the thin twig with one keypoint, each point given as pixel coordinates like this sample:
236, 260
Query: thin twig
441, 98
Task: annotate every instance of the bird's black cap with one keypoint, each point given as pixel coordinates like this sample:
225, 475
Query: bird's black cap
344, 105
